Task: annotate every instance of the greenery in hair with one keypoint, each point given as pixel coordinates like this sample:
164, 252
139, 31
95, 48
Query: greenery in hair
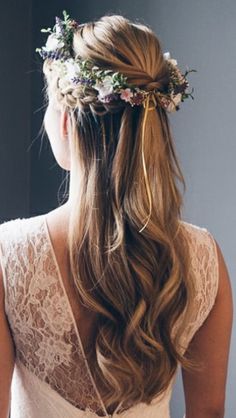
111, 86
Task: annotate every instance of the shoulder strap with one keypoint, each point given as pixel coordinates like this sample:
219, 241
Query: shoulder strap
8, 233
213, 267
205, 273
15, 251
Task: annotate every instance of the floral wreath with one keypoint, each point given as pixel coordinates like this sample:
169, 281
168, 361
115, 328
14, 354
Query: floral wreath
75, 73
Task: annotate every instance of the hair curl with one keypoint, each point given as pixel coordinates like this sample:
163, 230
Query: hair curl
138, 283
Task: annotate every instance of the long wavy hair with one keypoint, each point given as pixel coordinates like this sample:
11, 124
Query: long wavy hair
136, 280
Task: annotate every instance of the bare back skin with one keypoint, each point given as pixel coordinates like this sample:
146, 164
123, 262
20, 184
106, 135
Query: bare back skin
204, 392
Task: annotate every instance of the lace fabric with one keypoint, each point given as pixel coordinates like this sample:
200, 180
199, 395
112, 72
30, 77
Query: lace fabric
27, 403
205, 269
44, 333
47, 340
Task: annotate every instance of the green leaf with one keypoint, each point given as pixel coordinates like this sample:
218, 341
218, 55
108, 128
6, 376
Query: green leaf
66, 16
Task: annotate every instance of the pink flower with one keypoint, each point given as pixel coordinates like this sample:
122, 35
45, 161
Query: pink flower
126, 95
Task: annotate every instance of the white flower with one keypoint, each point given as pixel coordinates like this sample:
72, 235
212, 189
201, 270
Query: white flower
167, 57
104, 87
64, 84
126, 94
171, 107
58, 29
173, 62
176, 99
66, 71
53, 43
72, 69
58, 68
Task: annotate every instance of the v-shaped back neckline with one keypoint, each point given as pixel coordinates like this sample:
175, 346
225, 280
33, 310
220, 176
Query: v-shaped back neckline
52, 251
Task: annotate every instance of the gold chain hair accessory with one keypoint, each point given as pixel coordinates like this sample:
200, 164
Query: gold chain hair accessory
75, 75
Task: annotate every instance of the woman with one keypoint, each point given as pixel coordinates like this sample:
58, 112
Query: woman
103, 297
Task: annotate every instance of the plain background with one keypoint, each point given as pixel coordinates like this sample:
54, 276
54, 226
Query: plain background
199, 34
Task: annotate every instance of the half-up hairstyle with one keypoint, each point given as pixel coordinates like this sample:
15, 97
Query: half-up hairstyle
137, 282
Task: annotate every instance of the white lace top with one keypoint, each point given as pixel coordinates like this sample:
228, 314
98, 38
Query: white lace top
52, 378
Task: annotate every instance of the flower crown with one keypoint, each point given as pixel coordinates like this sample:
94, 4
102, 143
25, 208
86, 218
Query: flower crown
75, 73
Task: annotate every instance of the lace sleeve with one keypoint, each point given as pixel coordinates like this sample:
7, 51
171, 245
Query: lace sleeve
3, 239
213, 266
208, 275
204, 265
2, 269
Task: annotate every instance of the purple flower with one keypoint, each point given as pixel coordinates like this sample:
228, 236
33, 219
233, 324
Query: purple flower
59, 26
82, 80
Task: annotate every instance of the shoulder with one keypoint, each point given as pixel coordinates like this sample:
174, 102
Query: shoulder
199, 237
16, 228
6, 228
202, 243
204, 260
224, 285
208, 270
14, 234
209, 257
194, 231
2, 292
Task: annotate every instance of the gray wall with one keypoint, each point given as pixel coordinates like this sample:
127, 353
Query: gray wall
15, 50
202, 35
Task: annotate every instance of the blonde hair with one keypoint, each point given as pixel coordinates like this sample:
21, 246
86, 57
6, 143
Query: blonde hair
138, 283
